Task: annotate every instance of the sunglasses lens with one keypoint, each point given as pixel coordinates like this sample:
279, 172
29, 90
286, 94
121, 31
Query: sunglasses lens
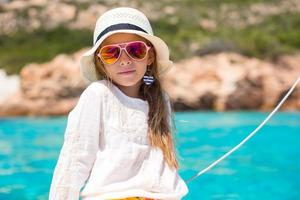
137, 50
110, 54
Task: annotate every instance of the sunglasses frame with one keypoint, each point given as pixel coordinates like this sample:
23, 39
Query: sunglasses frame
122, 46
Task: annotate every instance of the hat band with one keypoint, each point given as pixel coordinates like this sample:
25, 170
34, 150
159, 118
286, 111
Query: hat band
120, 27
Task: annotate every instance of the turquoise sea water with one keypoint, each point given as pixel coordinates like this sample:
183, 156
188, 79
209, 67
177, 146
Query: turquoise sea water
266, 167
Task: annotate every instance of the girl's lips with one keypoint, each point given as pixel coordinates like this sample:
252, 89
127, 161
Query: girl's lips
127, 72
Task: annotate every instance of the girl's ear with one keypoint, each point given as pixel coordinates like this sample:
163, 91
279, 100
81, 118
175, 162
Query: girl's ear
151, 56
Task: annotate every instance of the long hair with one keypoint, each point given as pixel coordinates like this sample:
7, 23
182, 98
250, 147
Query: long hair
159, 115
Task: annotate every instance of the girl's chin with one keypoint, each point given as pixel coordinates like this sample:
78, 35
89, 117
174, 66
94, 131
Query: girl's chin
129, 83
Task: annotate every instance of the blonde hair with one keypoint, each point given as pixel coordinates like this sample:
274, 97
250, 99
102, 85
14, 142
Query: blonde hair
159, 118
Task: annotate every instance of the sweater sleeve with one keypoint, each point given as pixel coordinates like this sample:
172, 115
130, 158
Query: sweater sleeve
78, 152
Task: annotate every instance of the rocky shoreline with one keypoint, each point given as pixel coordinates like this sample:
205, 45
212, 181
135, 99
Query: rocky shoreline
229, 81
219, 82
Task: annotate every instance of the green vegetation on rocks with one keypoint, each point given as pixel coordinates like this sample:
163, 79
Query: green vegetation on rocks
39, 46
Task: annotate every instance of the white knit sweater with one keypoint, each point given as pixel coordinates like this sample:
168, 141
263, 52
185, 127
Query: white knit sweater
106, 144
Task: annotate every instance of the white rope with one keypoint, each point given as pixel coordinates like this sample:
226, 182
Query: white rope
248, 137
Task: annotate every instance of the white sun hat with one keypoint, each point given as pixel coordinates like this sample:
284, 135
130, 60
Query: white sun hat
123, 20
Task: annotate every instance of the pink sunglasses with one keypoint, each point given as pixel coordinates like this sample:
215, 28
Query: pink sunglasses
137, 50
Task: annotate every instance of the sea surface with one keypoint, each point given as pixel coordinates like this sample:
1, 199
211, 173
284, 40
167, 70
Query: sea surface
266, 167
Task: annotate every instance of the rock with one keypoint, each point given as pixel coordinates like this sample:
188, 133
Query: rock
56, 14
228, 81
208, 24
288, 71
86, 19
47, 89
250, 91
8, 22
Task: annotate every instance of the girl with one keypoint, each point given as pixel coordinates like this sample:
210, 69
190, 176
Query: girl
118, 137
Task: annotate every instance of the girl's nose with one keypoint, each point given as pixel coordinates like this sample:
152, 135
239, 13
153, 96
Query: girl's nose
124, 59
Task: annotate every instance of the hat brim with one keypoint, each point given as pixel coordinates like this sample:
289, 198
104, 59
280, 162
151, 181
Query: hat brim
164, 64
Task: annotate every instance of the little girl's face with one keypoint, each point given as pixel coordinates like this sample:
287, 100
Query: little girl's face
127, 71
